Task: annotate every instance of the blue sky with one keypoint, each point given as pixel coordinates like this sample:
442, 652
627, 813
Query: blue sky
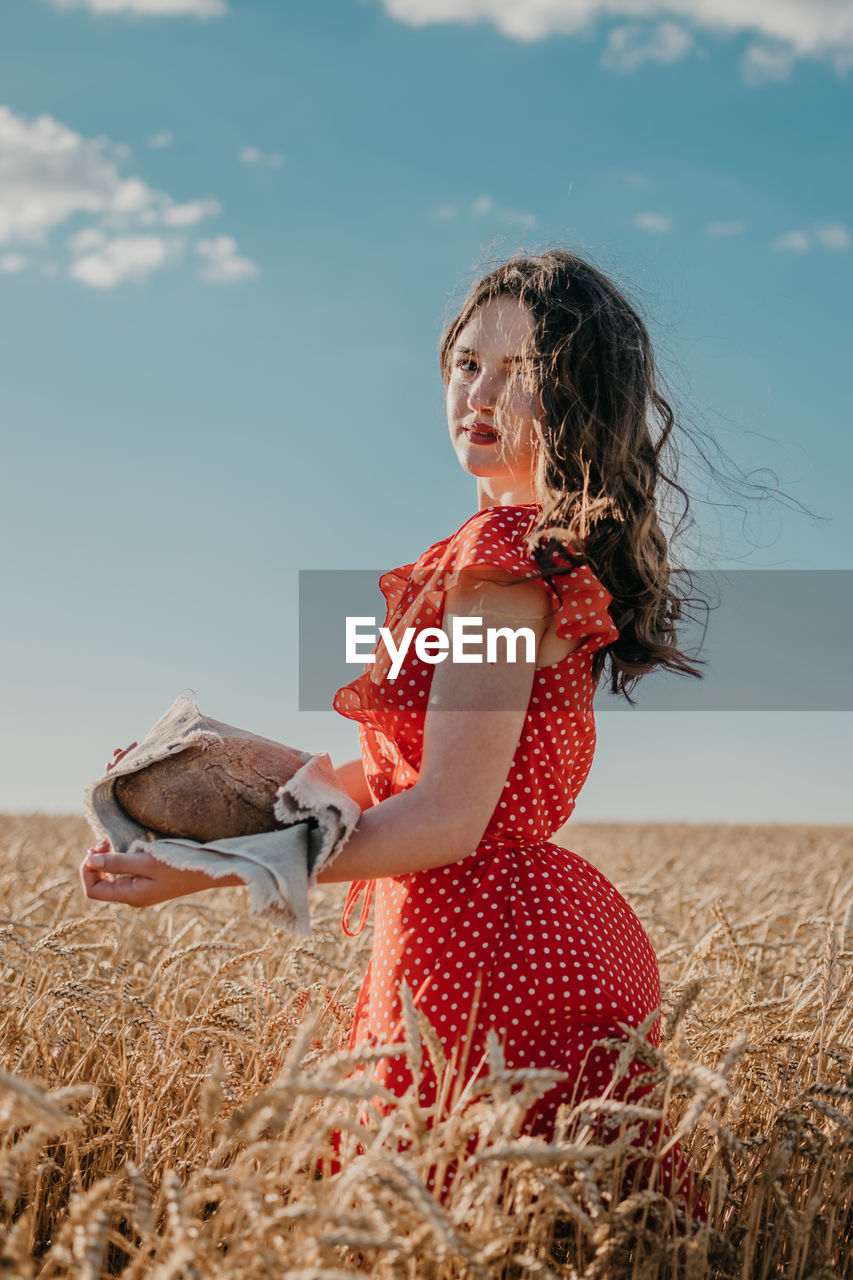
229, 234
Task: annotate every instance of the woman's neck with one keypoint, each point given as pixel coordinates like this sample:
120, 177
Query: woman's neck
502, 493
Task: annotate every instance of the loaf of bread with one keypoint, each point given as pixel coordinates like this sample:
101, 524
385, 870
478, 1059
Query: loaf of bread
211, 791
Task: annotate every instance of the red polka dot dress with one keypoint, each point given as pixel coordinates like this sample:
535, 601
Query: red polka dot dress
521, 936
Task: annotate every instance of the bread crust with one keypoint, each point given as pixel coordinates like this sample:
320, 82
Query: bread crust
211, 791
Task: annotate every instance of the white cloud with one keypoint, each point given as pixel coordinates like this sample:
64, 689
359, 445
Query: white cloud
222, 264
764, 63
792, 242
124, 258
268, 159
50, 176
484, 206
649, 221
48, 173
733, 228
10, 262
150, 8
158, 141
629, 46
807, 28
829, 235
132, 196
187, 215
88, 238
833, 235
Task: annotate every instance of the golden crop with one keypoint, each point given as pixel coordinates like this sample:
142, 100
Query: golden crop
168, 1079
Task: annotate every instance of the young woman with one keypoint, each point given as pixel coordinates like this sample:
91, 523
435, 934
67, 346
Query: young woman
468, 768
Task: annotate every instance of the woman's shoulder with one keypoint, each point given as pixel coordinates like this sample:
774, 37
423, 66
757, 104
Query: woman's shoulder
498, 517
500, 533
492, 537
491, 544
501, 527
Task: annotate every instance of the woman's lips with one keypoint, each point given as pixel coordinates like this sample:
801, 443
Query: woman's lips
480, 434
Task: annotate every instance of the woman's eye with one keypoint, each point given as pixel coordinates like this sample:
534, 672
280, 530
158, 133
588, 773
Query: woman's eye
466, 364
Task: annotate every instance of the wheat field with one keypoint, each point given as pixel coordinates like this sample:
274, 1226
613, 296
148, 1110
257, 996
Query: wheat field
169, 1078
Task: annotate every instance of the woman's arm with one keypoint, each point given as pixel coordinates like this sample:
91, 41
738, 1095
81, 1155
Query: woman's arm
473, 723
354, 782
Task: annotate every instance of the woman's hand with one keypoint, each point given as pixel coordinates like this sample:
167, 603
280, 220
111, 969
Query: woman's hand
118, 754
353, 781
143, 880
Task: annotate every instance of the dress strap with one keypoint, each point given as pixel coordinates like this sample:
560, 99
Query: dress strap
355, 891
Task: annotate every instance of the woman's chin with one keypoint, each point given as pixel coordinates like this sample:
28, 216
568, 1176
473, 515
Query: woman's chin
475, 466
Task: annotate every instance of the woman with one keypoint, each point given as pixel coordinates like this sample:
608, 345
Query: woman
468, 768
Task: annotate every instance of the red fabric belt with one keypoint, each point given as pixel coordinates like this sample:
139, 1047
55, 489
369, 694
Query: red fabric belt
355, 891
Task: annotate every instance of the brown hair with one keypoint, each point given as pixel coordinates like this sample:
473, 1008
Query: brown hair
599, 472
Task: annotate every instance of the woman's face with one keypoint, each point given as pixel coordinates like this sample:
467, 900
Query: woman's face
491, 407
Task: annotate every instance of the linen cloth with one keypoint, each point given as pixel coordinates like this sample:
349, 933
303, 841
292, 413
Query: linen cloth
278, 867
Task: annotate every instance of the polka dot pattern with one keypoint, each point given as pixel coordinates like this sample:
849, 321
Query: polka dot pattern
521, 936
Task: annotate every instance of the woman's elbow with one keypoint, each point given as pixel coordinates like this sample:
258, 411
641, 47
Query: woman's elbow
352, 779
459, 825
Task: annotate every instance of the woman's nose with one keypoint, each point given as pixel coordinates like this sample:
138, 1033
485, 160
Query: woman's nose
483, 391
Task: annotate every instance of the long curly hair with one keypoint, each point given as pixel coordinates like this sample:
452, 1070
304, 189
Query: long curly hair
603, 457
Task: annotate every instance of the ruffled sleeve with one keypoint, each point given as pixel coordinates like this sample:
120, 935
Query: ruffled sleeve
583, 609
494, 538
414, 596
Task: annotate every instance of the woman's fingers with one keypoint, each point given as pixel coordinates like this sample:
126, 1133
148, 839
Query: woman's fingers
141, 879
133, 890
136, 878
135, 872
118, 753
89, 877
89, 872
132, 864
